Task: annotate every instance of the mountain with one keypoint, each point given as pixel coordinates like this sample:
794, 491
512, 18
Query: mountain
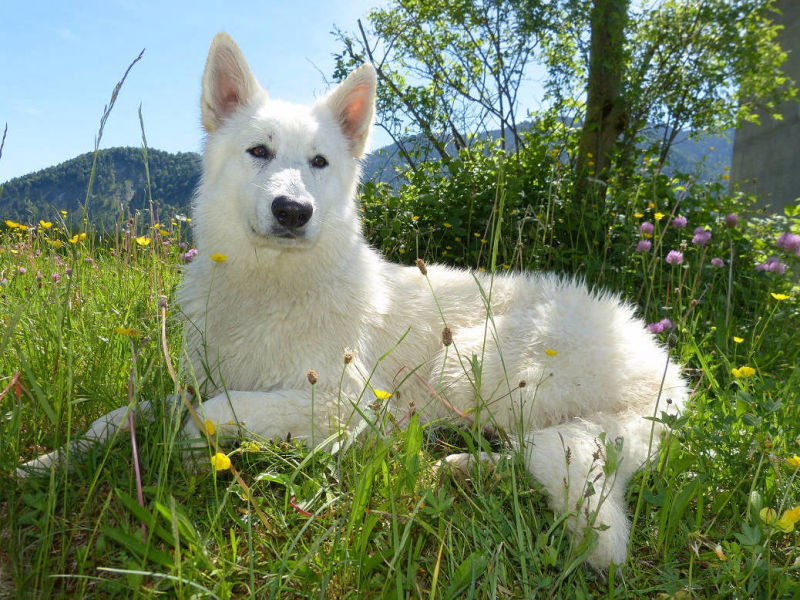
120, 185
120, 182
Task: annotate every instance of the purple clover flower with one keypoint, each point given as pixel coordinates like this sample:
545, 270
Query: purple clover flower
56, 277
679, 222
644, 246
732, 220
675, 257
189, 255
660, 326
182, 246
646, 228
773, 265
790, 242
701, 236
22, 270
717, 262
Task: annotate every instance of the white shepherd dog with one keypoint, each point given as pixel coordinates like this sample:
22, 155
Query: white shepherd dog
300, 288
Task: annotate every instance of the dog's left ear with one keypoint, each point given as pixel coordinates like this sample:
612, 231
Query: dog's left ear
353, 104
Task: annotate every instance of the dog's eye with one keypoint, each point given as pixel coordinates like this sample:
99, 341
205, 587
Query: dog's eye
319, 162
261, 151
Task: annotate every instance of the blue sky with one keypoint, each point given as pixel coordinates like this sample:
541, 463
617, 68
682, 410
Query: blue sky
61, 60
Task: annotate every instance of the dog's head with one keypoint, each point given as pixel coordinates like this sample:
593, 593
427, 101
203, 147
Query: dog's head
277, 174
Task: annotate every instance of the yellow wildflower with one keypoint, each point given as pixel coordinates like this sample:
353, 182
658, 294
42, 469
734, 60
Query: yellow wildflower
658, 216
738, 340
210, 428
55, 243
11, 224
126, 331
638, 215
447, 225
45, 224
381, 395
651, 205
143, 240
720, 554
415, 218
726, 177
743, 372
220, 462
64, 213
779, 296
768, 515
551, 352
217, 257
77, 238
794, 461
786, 523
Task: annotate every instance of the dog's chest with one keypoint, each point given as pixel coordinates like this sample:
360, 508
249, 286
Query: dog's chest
268, 340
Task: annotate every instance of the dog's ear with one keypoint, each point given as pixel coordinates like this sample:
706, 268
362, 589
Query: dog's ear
353, 104
227, 81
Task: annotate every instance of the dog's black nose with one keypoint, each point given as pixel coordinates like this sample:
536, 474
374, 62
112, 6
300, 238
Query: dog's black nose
291, 213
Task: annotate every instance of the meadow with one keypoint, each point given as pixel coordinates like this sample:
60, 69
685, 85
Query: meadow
88, 325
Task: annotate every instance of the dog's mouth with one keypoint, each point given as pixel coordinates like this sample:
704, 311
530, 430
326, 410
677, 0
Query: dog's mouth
280, 236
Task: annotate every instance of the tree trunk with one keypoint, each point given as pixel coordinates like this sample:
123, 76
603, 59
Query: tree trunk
606, 109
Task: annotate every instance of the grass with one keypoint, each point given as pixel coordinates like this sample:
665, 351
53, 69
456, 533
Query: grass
81, 334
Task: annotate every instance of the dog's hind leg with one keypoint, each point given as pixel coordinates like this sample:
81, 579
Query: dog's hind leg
99, 432
569, 460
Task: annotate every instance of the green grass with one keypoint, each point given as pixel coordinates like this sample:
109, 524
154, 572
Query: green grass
383, 521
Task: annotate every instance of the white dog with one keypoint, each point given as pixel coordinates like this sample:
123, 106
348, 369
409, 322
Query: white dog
300, 288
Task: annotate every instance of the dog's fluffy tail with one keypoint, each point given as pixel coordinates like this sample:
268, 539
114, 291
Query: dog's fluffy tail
101, 431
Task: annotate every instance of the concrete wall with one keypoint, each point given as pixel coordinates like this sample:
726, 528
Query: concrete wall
766, 157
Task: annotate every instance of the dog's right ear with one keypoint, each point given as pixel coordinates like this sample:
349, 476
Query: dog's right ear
227, 82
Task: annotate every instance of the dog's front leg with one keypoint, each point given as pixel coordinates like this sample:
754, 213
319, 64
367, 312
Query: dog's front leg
276, 414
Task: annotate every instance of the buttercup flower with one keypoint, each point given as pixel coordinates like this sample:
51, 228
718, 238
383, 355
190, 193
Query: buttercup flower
743, 372
143, 240
644, 246
220, 462
77, 238
551, 352
210, 427
738, 340
674, 257
794, 461
701, 236
381, 395
779, 297
679, 222
126, 331
218, 258
768, 515
658, 216
45, 224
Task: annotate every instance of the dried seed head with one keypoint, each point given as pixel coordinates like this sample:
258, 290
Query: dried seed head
421, 266
522, 383
312, 376
447, 336
162, 302
348, 356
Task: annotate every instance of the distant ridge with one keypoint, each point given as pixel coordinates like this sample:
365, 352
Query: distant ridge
120, 186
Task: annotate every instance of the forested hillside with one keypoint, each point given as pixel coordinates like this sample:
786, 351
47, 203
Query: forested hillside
120, 186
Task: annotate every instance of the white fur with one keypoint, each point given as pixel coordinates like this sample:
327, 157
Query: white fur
278, 307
